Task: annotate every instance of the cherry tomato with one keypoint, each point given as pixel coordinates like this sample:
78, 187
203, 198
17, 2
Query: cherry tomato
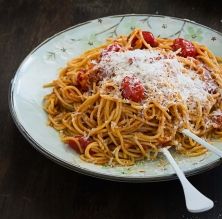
84, 142
187, 48
148, 37
133, 42
132, 89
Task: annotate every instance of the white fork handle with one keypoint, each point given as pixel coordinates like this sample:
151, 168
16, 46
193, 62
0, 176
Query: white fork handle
202, 142
195, 201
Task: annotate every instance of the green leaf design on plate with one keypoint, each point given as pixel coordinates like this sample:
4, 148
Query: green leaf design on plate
92, 40
51, 55
194, 34
131, 24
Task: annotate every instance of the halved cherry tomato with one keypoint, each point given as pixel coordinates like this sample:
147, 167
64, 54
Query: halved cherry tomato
132, 89
187, 47
148, 37
83, 141
133, 42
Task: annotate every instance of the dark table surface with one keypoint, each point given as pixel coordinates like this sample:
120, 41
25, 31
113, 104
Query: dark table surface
31, 186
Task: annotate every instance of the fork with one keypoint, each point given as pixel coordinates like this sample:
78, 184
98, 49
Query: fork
195, 201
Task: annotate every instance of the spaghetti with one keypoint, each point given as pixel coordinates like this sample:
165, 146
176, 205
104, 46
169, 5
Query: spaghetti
119, 103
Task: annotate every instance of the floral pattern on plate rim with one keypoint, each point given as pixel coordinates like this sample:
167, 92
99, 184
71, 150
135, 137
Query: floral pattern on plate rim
188, 30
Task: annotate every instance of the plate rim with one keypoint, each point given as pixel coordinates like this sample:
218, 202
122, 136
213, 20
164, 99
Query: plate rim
79, 169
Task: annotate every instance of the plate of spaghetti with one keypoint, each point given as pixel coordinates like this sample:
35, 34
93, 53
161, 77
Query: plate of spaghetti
103, 97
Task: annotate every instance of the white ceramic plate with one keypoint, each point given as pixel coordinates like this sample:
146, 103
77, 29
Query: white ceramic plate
42, 65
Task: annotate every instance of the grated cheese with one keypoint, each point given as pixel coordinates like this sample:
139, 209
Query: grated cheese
163, 76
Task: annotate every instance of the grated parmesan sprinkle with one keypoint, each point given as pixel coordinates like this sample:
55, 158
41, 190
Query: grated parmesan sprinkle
160, 72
